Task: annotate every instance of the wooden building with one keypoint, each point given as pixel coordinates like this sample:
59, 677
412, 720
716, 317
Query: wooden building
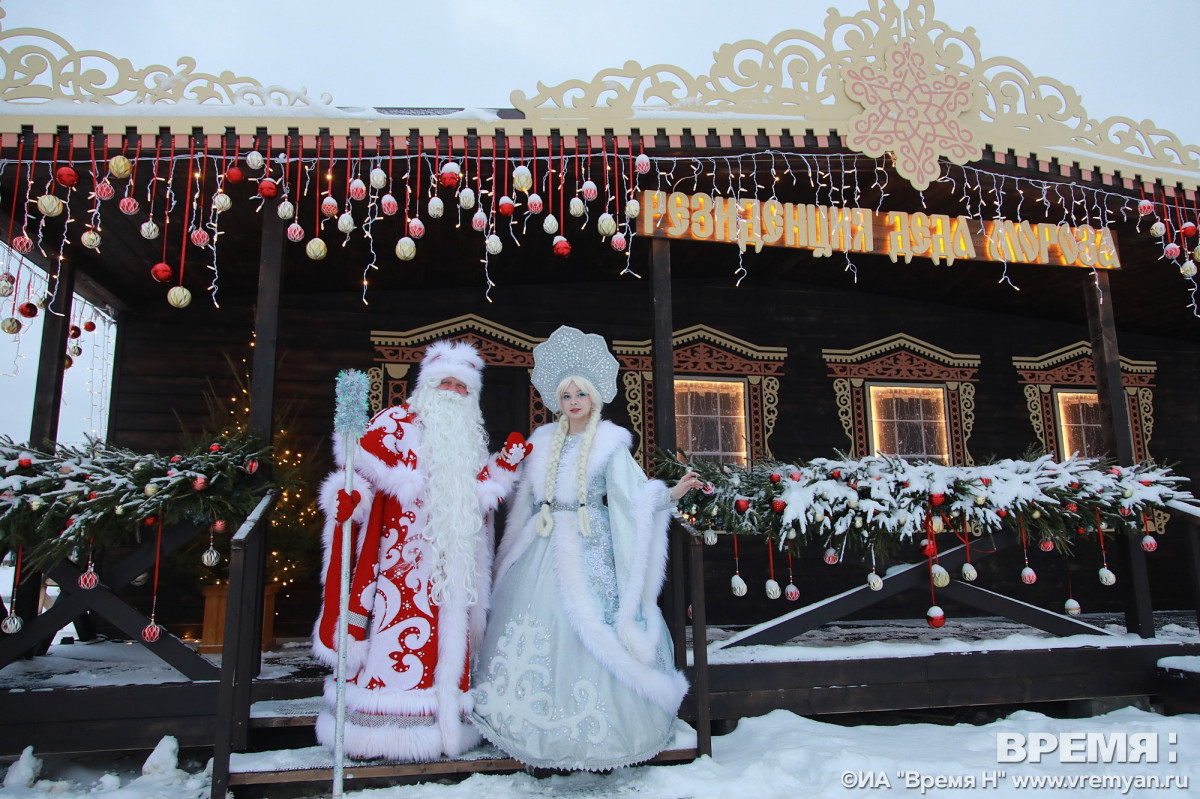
890, 239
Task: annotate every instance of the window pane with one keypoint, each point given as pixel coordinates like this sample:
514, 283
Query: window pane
1079, 423
909, 422
710, 419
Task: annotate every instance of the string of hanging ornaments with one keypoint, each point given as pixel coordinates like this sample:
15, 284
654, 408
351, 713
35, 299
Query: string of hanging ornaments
872, 508
393, 196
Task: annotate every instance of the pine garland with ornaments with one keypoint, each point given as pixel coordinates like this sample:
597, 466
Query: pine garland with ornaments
81, 499
870, 507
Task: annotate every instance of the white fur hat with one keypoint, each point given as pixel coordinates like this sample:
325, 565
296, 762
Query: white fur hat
457, 359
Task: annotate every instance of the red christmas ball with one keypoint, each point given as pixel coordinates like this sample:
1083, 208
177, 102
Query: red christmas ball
66, 176
267, 188
234, 175
176, 458
935, 616
836, 474
778, 505
295, 232
22, 244
150, 520
505, 206
104, 190
25, 463
252, 466
1028, 576
741, 505
928, 548
214, 447
561, 247
329, 207
1188, 228
1072, 507
1001, 512
27, 310
1046, 545
708, 489
776, 477
199, 237
795, 477
151, 632
128, 206
219, 525
88, 580
937, 499
831, 556
89, 326
199, 482
161, 272
1145, 207
416, 228
449, 175
1149, 544
75, 331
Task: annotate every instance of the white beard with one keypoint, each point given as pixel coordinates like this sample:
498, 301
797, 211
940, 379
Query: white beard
454, 449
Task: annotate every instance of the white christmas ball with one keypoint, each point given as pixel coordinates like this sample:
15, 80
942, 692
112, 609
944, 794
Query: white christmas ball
939, 576
378, 178
1071, 606
1158, 229
329, 207
149, 230
1188, 269
119, 166
522, 178
295, 233
874, 581
641, 164
576, 207
710, 537
618, 243
285, 210
466, 199
436, 208
90, 239
316, 249
773, 591
210, 557
406, 249
589, 190
737, 585
358, 189
416, 228
1106, 576
255, 160
49, 205
1028, 576
632, 209
494, 245
535, 204
179, 297
75, 351
388, 204
969, 572
479, 221
11, 625
550, 225
791, 592
222, 202
606, 225
1149, 544
345, 222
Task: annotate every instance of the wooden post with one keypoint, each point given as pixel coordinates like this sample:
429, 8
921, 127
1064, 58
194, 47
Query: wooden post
700, 648
1117, 438
664, 430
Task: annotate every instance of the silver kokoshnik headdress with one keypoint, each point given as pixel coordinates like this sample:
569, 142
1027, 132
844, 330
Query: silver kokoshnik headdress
572, 353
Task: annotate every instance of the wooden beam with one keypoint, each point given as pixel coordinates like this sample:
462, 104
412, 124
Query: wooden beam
56, 322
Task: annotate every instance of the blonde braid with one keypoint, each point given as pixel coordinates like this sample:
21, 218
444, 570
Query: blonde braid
545, 519
585, 447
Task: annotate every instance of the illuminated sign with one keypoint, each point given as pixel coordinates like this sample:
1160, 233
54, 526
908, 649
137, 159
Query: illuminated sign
899, 235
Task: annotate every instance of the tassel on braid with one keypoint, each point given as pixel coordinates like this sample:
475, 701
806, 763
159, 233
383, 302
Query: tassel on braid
545, 519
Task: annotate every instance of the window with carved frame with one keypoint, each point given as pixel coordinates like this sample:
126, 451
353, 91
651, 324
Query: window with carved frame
1078, 421
710, 419
909, 422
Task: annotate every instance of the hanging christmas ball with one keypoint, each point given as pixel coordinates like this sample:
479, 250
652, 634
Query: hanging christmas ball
1148, 543
150, 489
1158, 229
1028, 576
42, 301
358, 189
388, 204
75, 350
221, 202
778, 505
406, 249
90, 239
119, 166
937, 499
27, 310
89, 326
938, 524
149, 231
874, 581
1046, 545
466, 198
129, 206
969, 572
589, 191
285, 210
199, 482
576, 208
535, 204
641, 164
210, 557
710, 537
449, 174
151, 632
200, 237
1071, 607
25, 460
773, 590
1188, 269
214, 447
980, 500
737, 585
251, 465
928, 548
792, 593
935, 616
1171, 250
1145, 207
267, 188
1106, 576
295, 232
632, 209
345, 222
479, 221
316, 249
416, 228
49, 205
1188, 228
161, 272
939, 576
22, 244
10, 325
741, 504
561, 247
436, 207
522, 178
179, 297
708, 490
378, 178
255, 160
88, 580
606, 225
66, 176
219, 525
505, 206
618, 242
105, 191
550, 225
329, 207
12, 624
75, 331
831, 556
493, 245
234, 175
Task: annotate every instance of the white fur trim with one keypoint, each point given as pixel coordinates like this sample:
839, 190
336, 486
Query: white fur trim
639, 594
457, 359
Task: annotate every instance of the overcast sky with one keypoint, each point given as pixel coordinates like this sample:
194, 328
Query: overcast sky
1125, 59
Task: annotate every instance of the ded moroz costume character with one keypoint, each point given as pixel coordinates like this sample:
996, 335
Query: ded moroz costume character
575, 670
424, 491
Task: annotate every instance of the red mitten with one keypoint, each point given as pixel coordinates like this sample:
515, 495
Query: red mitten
516, 449
346, 505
